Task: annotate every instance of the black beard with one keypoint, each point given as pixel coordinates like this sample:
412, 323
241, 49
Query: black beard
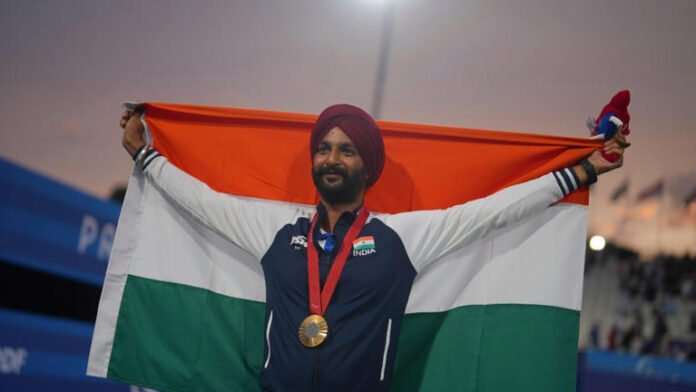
347, 192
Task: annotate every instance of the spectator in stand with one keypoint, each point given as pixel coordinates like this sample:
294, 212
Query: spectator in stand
660, 330
613, 337
594, 335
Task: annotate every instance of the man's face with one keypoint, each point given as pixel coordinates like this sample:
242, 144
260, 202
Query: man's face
338, 170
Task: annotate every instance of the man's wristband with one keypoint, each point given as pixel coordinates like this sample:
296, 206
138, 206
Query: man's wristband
140, 156
144, 156
138, 152
590, 171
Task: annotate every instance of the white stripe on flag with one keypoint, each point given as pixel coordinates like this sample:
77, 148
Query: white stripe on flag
539, 261
525, 263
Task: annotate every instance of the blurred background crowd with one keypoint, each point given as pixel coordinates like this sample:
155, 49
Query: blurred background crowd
645, 307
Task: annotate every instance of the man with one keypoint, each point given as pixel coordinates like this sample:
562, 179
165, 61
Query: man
338, 278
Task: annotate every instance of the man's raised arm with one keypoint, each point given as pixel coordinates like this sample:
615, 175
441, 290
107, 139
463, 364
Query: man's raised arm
429, 235
249, 223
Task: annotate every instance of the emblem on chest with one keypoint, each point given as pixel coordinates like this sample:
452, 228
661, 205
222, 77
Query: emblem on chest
298, 242
363, 246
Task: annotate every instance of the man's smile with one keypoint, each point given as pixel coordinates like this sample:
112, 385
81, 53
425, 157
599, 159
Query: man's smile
332, 178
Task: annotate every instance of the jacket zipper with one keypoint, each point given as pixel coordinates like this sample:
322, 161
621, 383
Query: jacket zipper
386, 350
268, 339
315, 378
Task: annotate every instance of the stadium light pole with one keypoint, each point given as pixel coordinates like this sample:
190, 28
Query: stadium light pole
385, 43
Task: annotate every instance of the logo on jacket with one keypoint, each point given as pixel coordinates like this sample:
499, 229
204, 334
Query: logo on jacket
298, 242
364, 246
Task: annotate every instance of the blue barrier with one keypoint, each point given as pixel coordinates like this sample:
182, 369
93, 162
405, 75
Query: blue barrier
54, 228
47, 353
601, 371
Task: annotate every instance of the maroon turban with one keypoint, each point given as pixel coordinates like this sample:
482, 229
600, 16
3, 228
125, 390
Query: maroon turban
360, 128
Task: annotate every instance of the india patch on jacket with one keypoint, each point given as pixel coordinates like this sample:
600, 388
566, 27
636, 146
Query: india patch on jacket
183, 307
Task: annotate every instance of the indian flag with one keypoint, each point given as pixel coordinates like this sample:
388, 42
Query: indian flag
364, 243
182, 309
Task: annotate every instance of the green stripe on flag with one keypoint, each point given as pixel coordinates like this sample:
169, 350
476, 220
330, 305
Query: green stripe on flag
508, 347
179, 338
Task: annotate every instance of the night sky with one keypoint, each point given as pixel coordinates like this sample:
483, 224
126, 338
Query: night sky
531, 66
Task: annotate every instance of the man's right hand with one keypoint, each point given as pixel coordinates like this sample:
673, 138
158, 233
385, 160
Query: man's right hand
133, 130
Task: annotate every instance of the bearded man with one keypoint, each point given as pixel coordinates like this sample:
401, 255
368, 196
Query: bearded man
337, 277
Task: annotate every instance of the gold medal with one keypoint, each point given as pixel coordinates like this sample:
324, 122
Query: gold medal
313, 331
